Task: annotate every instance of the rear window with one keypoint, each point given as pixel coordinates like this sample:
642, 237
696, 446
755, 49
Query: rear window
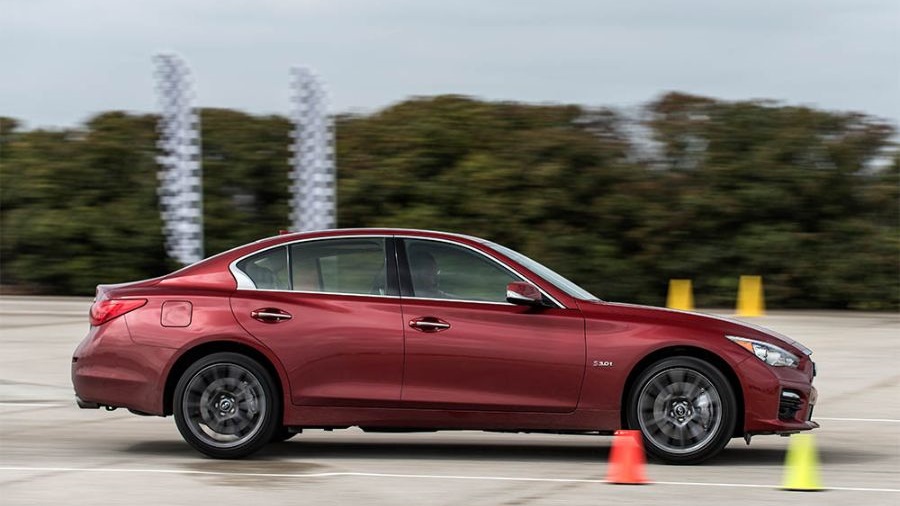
351, 266
268, 270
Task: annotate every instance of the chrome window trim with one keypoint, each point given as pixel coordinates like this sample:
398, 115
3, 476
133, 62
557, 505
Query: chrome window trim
467, 301
243, 280
342, 294
245, 283
308, 292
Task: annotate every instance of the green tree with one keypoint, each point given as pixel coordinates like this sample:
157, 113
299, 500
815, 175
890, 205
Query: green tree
790, 193
245, 177
808, 199
78, 206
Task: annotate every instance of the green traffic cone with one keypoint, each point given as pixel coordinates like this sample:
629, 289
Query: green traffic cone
802, 465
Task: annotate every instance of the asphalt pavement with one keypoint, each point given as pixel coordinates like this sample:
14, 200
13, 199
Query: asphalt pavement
51, 452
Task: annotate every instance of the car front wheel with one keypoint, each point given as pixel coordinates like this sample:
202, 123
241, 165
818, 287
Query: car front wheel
685, 409
225, 405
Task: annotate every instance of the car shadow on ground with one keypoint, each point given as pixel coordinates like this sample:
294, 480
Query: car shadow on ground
738, 455
396, 449
521, 451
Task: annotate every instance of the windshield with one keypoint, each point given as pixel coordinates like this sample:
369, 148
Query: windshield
545, 272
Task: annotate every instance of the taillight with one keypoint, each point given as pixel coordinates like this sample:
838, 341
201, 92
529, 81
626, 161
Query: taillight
105, 310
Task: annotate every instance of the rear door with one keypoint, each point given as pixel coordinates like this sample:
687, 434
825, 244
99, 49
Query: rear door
468, 349
330, 309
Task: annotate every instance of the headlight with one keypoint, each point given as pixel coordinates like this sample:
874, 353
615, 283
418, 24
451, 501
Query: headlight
768, 353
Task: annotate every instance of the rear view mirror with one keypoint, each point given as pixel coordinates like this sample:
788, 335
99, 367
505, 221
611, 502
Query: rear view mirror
524, 294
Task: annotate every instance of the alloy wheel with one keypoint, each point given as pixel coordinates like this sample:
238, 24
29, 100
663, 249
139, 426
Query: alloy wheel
679, 410
224, 405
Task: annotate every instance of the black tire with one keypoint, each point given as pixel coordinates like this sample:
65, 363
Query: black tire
685, 409
226, 406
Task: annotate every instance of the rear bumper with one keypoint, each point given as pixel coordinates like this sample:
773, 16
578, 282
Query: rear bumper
83, 404
109, 369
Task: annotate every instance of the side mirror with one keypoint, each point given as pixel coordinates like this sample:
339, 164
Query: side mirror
524, 294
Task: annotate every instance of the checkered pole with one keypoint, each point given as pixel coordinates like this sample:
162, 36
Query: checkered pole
181, 184
313, 199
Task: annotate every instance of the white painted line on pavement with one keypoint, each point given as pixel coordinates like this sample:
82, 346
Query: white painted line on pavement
30, 404
398, 475
886, 420
16, 312
751, 485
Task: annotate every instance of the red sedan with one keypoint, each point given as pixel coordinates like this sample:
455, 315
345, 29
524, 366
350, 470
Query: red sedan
395, 330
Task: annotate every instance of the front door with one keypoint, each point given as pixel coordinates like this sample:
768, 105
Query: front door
330, 310
468, 349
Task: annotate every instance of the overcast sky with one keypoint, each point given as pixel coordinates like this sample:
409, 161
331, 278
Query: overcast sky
61, 60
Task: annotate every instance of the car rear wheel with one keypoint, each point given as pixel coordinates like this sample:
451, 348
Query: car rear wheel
685, 409
225, 405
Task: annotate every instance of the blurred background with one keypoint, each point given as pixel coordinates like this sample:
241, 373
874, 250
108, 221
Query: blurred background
621, 145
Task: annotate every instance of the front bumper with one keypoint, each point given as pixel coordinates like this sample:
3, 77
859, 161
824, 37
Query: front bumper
778, 400
786, 422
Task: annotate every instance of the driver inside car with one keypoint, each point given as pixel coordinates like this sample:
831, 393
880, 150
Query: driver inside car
426, 276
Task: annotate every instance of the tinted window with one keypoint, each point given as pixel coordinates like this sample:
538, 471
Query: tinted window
446, 271
268, 270
353, 266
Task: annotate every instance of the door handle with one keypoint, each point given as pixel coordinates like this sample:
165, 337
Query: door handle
270, 315
429, 324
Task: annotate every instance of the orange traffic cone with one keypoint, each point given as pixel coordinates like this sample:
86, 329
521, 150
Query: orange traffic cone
626, 460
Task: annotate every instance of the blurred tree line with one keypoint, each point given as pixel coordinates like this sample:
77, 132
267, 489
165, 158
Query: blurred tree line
690, 187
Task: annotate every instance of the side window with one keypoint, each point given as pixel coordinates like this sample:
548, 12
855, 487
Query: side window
268, 270
352, 266
446, 271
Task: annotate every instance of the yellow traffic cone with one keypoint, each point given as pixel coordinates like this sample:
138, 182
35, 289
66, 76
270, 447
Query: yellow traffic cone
681, 295
802, 465
750, 296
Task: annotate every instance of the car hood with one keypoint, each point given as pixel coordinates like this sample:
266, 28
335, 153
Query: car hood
728, 326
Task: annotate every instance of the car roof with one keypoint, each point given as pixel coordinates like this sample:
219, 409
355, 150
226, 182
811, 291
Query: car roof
287, 237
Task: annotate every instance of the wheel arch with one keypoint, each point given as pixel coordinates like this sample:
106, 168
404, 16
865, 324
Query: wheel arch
207, 348
687, 351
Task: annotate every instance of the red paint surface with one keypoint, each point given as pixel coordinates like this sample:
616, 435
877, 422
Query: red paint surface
346, 360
